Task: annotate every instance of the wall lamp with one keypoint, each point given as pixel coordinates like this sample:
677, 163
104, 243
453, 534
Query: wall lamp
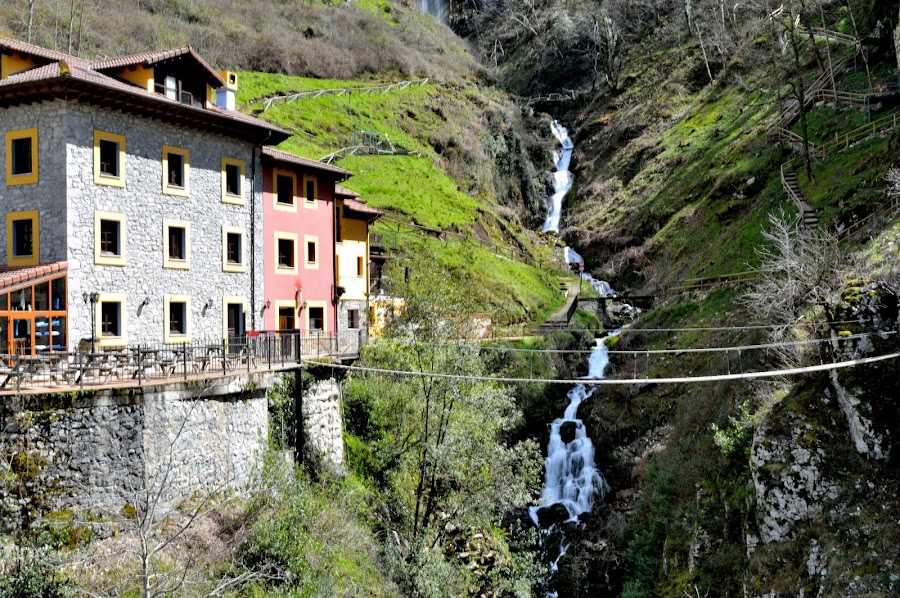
145, 302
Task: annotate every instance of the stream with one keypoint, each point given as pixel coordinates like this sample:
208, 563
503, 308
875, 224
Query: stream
562, 178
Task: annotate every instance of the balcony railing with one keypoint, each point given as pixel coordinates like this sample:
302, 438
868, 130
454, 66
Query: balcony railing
136, 365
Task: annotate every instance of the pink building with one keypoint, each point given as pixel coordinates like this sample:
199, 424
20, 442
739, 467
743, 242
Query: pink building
299, 242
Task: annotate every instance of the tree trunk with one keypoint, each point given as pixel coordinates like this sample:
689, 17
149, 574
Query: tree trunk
31, 20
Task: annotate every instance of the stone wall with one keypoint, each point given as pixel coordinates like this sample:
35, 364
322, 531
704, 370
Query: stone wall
144, 206
346, 333
322, 421
103, 450
47, 196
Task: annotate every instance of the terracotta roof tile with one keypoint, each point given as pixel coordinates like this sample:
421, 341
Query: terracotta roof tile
306, 162
360, 207
344, 192
13, 275
148, 58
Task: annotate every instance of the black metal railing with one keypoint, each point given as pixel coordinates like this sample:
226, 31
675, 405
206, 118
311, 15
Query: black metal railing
143, 363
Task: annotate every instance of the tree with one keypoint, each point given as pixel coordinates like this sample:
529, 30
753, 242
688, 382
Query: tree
800, 268
438, 444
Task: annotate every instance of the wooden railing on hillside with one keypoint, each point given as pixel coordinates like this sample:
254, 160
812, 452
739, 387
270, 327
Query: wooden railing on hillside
389, 239
887, 211
835, 36
368, 150
712, 282
337, 91
789, 114
796, 199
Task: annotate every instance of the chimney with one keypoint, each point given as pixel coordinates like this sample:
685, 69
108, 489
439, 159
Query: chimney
225, 96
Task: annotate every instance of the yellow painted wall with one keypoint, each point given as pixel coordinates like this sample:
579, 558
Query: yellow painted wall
142, 76
10, 65
354, 244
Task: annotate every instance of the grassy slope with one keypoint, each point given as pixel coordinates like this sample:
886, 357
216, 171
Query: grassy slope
420, 190
361, 39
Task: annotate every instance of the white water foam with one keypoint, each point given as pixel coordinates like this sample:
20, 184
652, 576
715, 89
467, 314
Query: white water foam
562, 178
436, 8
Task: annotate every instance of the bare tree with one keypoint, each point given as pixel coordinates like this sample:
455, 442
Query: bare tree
31, 4
799, 271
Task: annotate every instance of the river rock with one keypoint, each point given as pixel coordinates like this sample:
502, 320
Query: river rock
551, 515
567, 431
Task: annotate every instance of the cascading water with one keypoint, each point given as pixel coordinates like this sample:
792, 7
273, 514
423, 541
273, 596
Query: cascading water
600, 286
572, 479
436, 8
562, 178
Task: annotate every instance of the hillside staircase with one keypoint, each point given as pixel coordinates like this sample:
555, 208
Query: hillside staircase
792, 187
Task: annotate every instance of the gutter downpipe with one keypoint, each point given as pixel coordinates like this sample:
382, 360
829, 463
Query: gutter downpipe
253, 230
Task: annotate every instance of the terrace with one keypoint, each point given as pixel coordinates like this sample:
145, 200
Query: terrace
148, 364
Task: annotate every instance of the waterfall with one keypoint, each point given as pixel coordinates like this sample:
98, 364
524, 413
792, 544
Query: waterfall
600, 286
562, 178
436, 8
572, 479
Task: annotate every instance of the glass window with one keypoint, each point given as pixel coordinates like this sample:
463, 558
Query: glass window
177, 317
232, 179
42, 296
21, 299
109, 158
21, 156
58, 288
109, 237
233, 252
177, 245
284, 186
286, 318
359, 266
311, 252
352, 318
22, 336
286, 253
317, 318
111, 318
310, 190
23, 238
175, 174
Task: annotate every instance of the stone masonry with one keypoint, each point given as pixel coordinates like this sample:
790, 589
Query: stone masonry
322, 422
66, 198
103, 450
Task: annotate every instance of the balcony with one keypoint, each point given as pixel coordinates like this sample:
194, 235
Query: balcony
148, 363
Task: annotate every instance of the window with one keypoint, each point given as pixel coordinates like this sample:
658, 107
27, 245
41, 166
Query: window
353, 319
285, 190
176, 170
109, 159
316, 318
109, 238
310, 192
177, 316
286, 319
176, 244
233, 249
285, 253
22, 238
110, 320
312, 252
232, 181
359, 266
21, 157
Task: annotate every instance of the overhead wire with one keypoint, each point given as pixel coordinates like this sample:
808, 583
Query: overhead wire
617, 381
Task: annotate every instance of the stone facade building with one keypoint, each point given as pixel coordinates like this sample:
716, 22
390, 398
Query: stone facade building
127, 175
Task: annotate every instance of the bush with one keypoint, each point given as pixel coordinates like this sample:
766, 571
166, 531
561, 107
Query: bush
30, 576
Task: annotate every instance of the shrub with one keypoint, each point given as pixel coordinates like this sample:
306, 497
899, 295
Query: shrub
30, 575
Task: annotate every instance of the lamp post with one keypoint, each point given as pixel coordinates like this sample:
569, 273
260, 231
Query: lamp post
92, 298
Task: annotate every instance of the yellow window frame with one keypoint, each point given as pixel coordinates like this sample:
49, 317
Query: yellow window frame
111, 341
25, 260
231, 197
278, 236
283, 207
105, 179
307, 264
109, 260
172, 263
229, 267
28, 178
168, 189
168, 337
310, 203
